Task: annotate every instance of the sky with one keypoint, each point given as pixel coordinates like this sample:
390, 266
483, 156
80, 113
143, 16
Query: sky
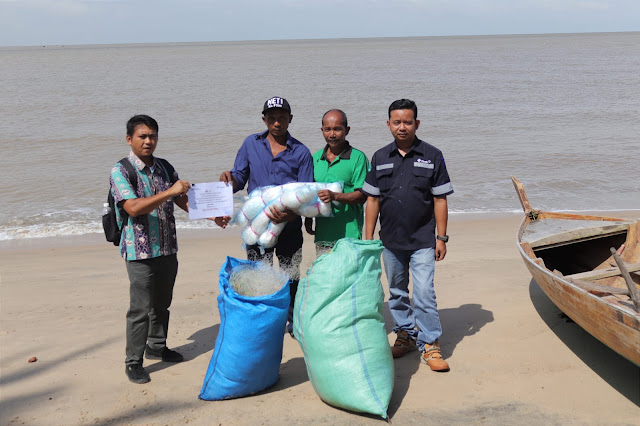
67, 22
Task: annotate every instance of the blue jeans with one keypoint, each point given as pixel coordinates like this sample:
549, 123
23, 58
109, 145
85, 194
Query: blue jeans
424, 313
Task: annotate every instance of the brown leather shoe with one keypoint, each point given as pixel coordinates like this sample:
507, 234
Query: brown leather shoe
403, 345
432, 357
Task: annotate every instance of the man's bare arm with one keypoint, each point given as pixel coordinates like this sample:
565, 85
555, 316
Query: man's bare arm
182, 202
355, 197
279, 216
140, 206
441, 213
371, 212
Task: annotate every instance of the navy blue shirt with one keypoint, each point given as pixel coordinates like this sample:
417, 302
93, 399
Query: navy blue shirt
406, 187
256, 164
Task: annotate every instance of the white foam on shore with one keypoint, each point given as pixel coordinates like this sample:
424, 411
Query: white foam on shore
49, 225
69, 228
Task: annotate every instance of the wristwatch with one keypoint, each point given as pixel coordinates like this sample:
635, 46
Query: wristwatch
444, 238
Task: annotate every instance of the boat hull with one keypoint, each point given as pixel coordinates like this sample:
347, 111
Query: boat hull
615, 326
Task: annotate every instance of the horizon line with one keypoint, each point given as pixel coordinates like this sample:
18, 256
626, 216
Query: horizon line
74, 45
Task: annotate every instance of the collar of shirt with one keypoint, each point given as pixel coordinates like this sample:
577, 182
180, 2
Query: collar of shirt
263, 137
416, 148
344, 155
140, 165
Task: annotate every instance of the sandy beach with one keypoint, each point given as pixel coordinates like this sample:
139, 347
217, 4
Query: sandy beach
514, 358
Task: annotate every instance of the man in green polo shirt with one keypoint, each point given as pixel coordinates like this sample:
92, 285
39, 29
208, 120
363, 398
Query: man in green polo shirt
338, 162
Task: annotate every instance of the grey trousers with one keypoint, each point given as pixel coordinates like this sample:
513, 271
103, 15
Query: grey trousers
150, 292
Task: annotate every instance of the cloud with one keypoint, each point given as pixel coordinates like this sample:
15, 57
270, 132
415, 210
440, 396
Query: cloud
57, 7
37, 22
599, 5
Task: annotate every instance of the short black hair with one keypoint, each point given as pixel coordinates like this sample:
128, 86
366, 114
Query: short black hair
404, 104
339, 111
141, 119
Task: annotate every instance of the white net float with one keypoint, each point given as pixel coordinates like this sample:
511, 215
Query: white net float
300, 197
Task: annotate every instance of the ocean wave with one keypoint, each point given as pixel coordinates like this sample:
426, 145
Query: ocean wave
48, 230
76, 227
52, 224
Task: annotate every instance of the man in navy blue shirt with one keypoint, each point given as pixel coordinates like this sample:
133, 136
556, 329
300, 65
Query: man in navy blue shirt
274, 157
410, 176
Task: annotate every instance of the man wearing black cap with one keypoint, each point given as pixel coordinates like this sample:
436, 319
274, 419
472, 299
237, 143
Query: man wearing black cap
274, 157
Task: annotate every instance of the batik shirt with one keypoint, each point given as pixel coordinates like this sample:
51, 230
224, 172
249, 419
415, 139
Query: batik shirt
152, 234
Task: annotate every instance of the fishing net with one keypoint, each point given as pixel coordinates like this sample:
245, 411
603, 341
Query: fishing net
253, 304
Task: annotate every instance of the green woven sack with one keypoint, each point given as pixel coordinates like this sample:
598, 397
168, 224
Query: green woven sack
339, 325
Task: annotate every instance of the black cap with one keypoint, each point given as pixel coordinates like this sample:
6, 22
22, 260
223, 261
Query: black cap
276, 102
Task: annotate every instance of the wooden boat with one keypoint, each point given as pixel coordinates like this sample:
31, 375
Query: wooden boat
589, 266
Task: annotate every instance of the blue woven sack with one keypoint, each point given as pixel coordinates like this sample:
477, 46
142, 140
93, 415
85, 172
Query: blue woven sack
248, 351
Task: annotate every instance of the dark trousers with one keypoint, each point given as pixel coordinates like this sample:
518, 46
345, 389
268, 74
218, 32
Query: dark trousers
288, 250
150, 292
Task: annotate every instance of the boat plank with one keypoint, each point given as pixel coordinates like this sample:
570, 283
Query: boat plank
527, 249
545, 233
589, 286
632, 251
603, 273
569, 216
633, 291
522, 195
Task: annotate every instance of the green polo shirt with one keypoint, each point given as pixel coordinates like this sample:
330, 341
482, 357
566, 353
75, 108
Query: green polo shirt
351, 168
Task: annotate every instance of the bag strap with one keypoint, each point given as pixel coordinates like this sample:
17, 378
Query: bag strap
133, 180
133, 174
169, 169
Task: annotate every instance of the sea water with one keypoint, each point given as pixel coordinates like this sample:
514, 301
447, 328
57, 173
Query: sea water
561, 112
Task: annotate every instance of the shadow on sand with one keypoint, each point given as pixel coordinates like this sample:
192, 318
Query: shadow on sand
13, 407
292, 373
202, 341
617, 371
45, 364
457, 323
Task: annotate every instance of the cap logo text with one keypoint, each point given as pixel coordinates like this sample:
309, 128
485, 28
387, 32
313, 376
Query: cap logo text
274, 103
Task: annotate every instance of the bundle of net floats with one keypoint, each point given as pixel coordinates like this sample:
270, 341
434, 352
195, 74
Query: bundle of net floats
300, 197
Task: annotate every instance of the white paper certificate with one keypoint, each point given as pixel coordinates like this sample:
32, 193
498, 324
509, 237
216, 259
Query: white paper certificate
211, 199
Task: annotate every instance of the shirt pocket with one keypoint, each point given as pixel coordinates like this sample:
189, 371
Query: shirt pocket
286, 172
423, 176
384, 177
